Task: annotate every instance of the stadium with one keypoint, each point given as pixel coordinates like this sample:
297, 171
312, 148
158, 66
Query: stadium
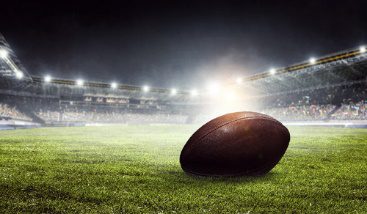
327, 91
83, 164
154, 73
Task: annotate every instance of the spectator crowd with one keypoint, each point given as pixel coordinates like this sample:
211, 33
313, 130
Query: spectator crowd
295, 107
351, 111
8, 112
74, 115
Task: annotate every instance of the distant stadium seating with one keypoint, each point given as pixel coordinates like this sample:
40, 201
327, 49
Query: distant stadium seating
351, 111
335, 88
7, 113
300, 111
109, 117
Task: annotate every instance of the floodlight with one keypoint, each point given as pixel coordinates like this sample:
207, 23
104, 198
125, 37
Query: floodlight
19, 74
48, 78
173, 91
3, 53
193, 92
146, 88
312, 61
80, 82
239, 80
114, 85
272, 71
362, 49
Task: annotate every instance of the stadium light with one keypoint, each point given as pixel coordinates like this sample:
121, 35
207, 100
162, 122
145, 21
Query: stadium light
272, 71
239, 80
193, 92
3, 53
312, 61
19, 74
173, 91
48, 78
114, 85
146, 88
362, 49
80, 82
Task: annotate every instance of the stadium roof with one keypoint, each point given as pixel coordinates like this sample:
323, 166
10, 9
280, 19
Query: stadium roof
343, 68
10, 66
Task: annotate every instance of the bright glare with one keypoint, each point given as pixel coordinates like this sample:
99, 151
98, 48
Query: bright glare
273, 71
48, 78
19, 74
146, 88
312, 60
80, 82
114, 85
230, 95
3, 53
173, 91
239, 80
213, 88
362, 49
194, 92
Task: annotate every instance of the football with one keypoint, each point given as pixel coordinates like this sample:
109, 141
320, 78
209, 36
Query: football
235, 144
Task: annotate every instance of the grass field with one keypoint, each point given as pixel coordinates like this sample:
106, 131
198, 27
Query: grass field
135, 169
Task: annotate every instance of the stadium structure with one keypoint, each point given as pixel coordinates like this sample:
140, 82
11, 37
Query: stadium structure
327, 90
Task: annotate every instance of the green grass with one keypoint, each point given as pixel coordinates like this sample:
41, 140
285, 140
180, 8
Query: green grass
135, 169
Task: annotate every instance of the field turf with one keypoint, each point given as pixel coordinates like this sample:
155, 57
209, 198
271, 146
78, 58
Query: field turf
135, 169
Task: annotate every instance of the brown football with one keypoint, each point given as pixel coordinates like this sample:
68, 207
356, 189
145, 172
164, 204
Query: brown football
235, 144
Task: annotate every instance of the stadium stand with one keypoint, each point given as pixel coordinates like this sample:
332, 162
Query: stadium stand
352, 111
331, 88
7, 112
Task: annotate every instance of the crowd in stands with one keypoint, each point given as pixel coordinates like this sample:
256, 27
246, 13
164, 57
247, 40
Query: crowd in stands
7, 112
351, 111
110, 117
341, 103
294, 112
49, 115
302, 106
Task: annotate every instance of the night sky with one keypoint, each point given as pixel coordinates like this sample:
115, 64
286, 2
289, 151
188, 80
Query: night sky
176, 43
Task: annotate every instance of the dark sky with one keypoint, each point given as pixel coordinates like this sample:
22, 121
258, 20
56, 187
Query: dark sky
176, 43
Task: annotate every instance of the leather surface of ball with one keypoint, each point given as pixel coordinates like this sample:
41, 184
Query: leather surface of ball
235, 144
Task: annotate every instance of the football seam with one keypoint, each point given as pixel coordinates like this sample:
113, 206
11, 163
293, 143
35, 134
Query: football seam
243, 118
